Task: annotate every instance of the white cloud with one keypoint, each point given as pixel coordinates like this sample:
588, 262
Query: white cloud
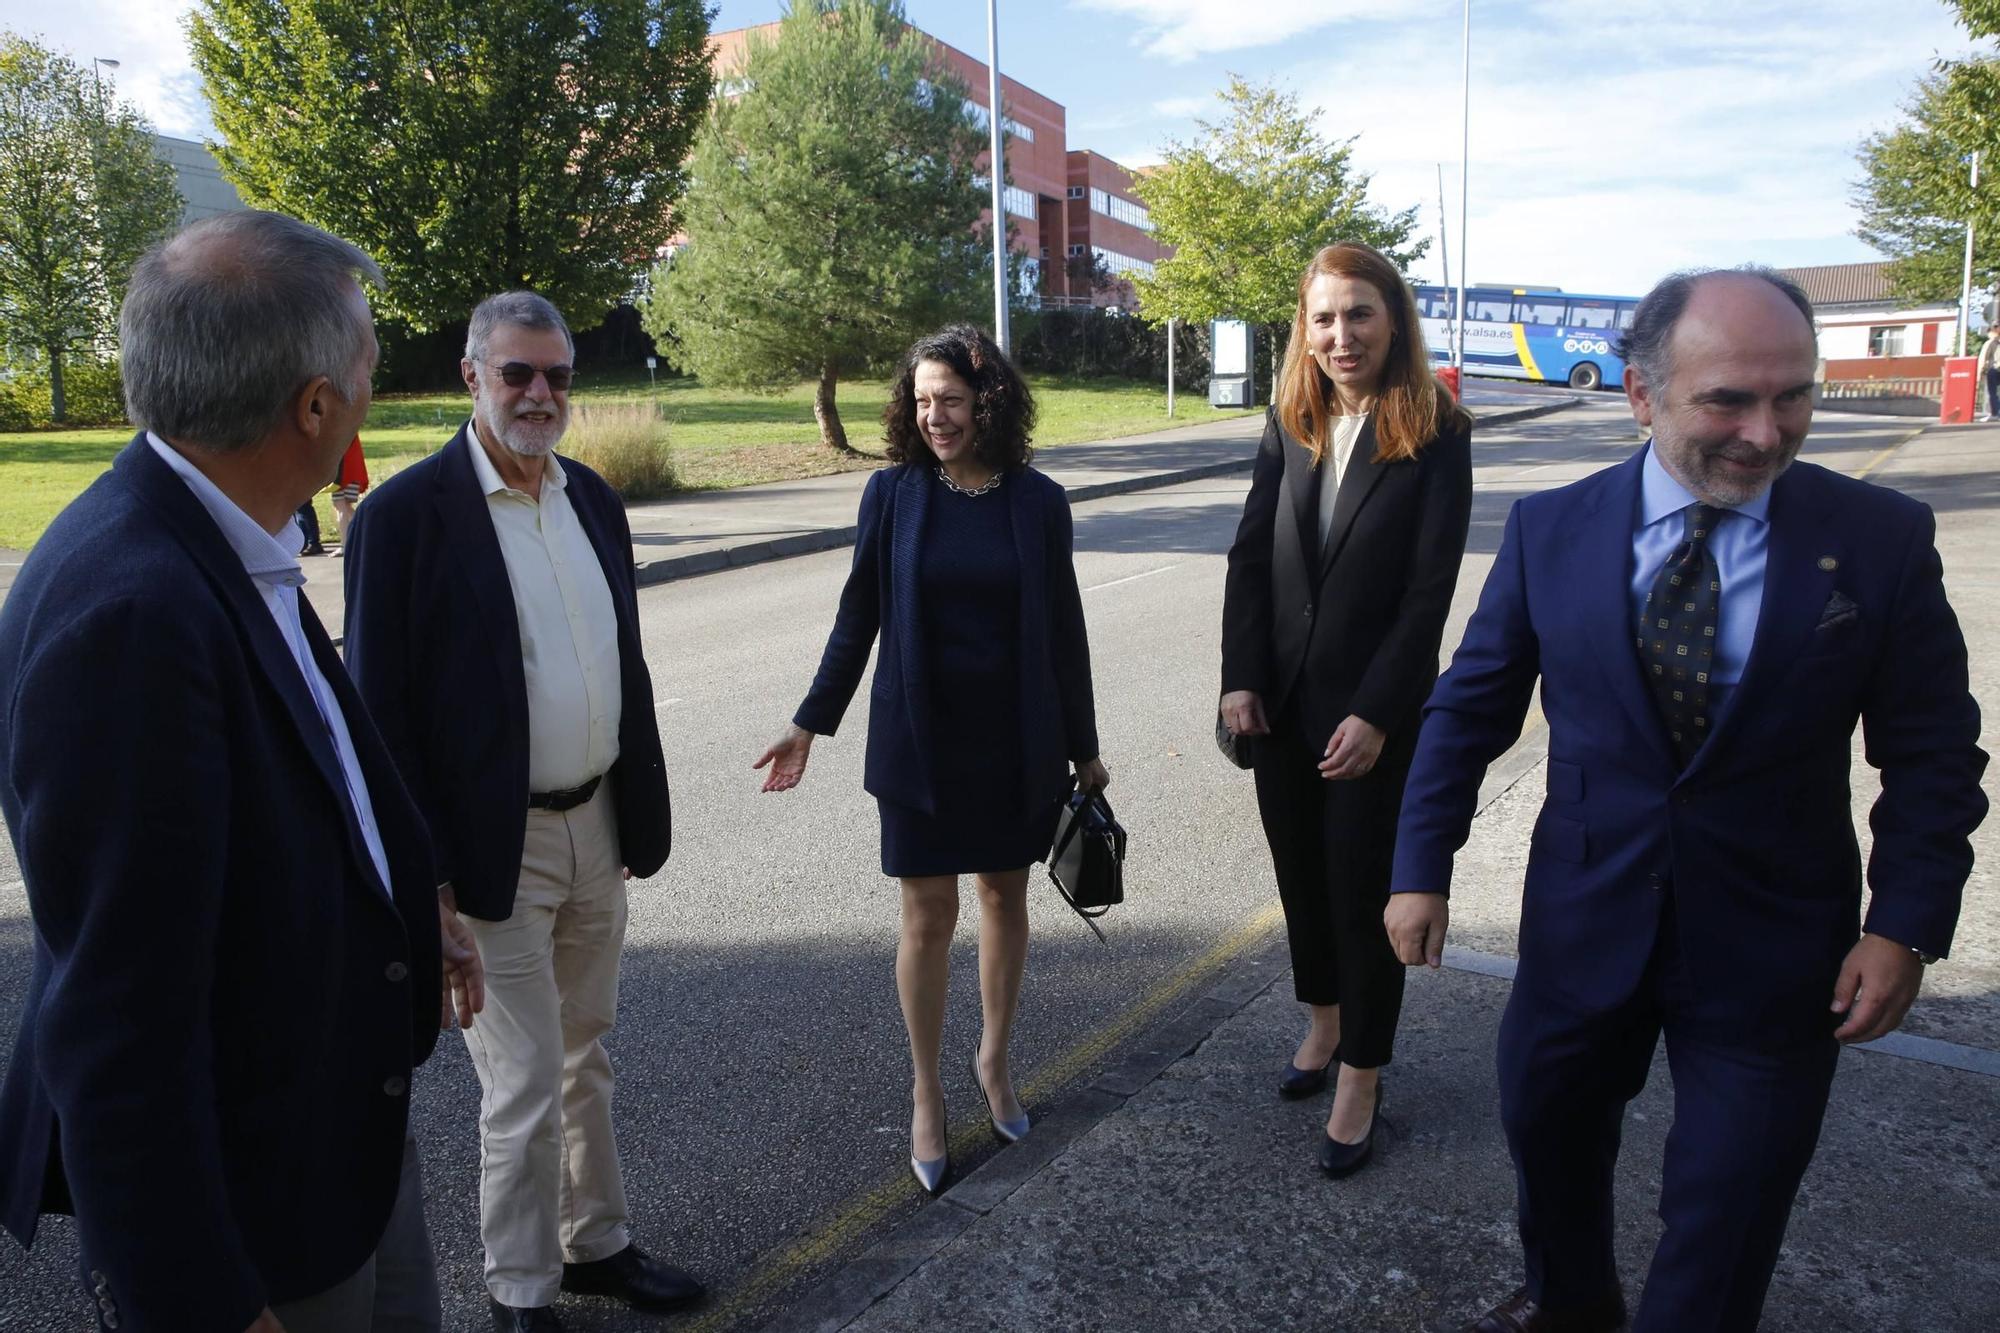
146, 38
1182, 30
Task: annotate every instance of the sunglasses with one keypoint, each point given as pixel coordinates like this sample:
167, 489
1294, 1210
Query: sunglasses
519, 375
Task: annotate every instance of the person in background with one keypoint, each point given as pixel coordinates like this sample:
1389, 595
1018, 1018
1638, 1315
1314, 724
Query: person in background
1339, 582
347, 487
1989, 371
982, 696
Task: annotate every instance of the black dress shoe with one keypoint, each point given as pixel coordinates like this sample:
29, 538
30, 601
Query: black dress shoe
1520, 1314
1339, 1159
1295, 1082
507, 1319
642, 1282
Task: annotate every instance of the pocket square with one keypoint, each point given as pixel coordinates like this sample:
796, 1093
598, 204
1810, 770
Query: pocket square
1840, 609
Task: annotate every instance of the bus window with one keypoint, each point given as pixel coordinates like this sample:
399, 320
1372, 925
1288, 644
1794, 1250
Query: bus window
1592, 314
1438, 304
1538, 310
1490, 307
1626, 310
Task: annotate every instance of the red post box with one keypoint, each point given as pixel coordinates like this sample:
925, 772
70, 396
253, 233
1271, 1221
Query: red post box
1449, 375
1961, 389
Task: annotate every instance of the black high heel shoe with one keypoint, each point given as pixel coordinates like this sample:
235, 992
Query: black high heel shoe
1295, 1082
1339, 1159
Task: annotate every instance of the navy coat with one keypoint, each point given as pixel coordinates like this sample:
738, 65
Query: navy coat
213, 1065
1755, 838
434, 644
1058, 716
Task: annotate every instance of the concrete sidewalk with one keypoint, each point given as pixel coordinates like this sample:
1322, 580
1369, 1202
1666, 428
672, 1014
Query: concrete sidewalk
711, 530
1179, 1192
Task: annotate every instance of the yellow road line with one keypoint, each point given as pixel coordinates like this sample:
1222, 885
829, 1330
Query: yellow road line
854, 1218
1883, 456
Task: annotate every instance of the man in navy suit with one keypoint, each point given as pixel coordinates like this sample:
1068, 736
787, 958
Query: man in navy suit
1708, 621
236, 947
493, 627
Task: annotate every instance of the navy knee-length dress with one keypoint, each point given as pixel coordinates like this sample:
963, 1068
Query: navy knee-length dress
970, 582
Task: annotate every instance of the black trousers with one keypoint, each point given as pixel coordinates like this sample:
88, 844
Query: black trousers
1332, 845
1748, 1101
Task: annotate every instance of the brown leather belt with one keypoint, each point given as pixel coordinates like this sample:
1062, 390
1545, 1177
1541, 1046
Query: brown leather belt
560, 801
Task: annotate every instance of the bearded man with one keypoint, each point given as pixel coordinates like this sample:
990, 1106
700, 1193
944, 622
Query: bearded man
493, 627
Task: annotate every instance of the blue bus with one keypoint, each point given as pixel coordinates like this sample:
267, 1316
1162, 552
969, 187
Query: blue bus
1531, 333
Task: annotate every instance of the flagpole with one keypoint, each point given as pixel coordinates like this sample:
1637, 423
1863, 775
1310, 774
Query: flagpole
997, 169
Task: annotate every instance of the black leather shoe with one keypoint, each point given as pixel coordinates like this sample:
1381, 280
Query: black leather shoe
507, 1319
1295, 1082
1519, 1314
1339, 1159
642, 1282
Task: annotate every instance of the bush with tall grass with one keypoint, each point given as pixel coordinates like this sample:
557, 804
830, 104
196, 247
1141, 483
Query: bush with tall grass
624, 442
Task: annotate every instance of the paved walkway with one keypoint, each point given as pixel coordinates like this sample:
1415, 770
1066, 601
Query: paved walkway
1178, 1192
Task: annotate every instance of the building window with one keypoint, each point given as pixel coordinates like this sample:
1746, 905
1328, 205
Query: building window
1120, 210
1077, 192
1124, 264
1076, 250
979, 116
1885, 340
1020, 202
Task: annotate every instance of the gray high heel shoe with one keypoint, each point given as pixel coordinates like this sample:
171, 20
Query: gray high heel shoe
931, 1175
1007, 1131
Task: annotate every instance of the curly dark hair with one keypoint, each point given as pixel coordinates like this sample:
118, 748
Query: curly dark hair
1003, 411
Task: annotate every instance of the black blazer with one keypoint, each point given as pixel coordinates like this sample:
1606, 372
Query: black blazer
1353, 628
434, 644
1057, 713
213, 1064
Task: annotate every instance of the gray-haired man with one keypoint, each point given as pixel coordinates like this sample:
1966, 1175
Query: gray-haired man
493, 626
236, 937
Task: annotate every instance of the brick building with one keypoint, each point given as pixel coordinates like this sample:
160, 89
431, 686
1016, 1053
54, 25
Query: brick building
1068, 210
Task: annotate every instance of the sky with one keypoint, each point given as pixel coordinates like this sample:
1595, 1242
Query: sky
1612, 141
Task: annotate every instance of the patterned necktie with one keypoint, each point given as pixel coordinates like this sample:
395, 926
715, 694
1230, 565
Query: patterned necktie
1677, 632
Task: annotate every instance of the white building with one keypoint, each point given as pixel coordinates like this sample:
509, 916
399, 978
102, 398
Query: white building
1864, 333
203, 189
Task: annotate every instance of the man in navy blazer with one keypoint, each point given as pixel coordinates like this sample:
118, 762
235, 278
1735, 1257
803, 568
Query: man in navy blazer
1708, 621
236, 946
493, 627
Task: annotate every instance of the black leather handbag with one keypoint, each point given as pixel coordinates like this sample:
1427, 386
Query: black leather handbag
1087, 862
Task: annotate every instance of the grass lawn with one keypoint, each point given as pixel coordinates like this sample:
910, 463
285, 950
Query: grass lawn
720, 438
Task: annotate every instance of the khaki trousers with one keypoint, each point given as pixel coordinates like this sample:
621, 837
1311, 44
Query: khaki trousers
396, 1291
549, 1185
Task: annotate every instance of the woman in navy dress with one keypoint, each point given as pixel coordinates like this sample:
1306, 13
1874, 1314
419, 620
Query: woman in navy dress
981, 703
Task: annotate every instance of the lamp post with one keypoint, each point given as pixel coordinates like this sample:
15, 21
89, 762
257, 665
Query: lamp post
97, 65
1965, 290
996, 168
1464, 192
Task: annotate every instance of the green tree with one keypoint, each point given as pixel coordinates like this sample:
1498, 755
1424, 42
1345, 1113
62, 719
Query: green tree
1915, 194
81, 197
1248, 203
470, 146
833, 214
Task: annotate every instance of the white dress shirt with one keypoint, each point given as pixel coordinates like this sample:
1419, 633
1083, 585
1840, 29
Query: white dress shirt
1341, 435
274, 568
569, 627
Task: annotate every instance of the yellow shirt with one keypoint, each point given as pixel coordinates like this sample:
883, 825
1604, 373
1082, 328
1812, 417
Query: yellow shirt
569, 628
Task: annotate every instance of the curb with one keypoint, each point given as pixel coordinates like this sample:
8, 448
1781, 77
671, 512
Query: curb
857, 1285
670, 568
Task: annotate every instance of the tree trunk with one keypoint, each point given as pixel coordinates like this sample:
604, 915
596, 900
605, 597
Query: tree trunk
831, 433
58, 408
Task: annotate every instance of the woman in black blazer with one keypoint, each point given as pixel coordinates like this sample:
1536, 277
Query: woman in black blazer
981, 699
1339, 581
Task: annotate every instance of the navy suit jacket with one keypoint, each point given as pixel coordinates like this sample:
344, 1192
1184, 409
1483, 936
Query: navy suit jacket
1058, 716
213, 1064
435, 646
1755, 839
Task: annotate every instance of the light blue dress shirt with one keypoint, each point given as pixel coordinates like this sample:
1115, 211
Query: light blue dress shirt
1738, 545
275, 571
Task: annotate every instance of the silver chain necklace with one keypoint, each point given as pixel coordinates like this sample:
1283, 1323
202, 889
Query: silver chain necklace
989, 484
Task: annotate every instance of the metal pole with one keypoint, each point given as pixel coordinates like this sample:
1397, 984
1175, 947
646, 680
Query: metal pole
1444, 253
1464, 191
1170, 365
1965, 289
997, 169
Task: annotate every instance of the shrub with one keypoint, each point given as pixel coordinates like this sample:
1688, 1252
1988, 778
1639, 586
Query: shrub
93, 395
1106, 342
626, 444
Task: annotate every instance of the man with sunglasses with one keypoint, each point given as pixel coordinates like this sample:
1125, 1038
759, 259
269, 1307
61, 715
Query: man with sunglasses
493, 627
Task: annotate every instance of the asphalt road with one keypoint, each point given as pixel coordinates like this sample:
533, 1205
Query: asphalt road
762, 1073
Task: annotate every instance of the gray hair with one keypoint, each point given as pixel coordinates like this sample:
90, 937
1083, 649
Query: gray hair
528, 310
226, 320
1646, 346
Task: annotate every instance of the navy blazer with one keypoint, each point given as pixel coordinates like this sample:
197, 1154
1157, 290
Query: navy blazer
1754, 840
213, 1065
1351, 626
1057, 713
434, 644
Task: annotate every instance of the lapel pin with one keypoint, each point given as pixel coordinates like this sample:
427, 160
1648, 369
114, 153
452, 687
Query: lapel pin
1828, 563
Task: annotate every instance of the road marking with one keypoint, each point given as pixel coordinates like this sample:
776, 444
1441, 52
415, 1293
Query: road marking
860, 1213
1129, 578
1883, 456
667, 703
